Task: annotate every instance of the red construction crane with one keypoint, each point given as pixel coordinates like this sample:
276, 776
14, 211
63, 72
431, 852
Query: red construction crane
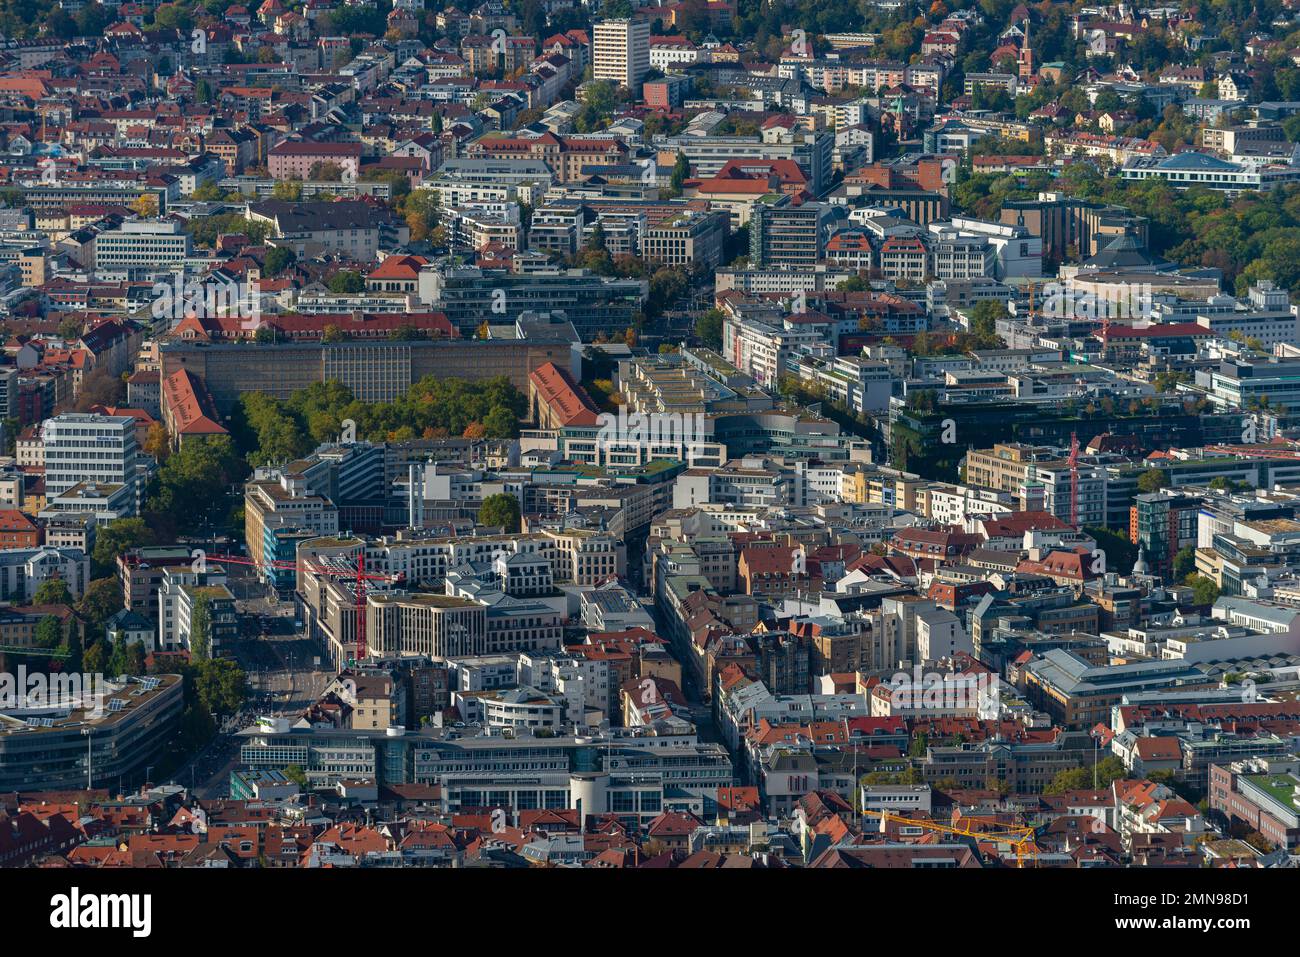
1073, 461
360, 577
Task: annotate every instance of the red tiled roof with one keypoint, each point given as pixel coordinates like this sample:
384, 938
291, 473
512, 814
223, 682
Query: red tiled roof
12, 520
186, 397
399, 267
565, 397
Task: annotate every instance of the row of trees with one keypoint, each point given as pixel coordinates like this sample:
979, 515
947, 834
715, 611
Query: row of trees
270, 430
191, 493
206, 229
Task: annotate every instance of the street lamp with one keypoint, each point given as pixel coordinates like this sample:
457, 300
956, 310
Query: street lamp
853, 795
86, 733
1095, 741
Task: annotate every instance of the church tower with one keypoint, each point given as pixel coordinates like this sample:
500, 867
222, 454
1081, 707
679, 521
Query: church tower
1025, 59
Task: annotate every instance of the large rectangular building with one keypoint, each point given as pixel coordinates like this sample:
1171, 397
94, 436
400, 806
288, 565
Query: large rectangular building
787, 234
86, 447
376, 371
621, 51
470, 296
140, 248
812, 152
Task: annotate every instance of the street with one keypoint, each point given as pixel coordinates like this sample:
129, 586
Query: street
285, 676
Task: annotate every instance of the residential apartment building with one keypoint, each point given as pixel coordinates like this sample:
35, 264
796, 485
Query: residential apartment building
621, 51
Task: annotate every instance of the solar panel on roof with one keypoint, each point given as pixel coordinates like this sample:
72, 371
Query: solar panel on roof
116, 705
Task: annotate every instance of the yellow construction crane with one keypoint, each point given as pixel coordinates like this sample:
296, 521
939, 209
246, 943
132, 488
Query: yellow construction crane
1020, 837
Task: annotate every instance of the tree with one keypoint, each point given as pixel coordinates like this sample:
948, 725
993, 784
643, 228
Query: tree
49, 632
681, 171
117, 657
289, 190
201, 629
146, 206
268, 433
53, 591
1259, 842
500, 510
1119, 551
1169, 380
100, 387
113, 539
190, 492
1170, 780
73, 663
157, 442
101, 601
420, 207
1108, 770
207, 192
295, 773
220, 685
1204, 590
1152, 480
708, 329
71, 328
95, 660
1184, 563
334, 334
984, 323
278, 259
206, 229
667, 285
500, 423
127, 658
326, 172
347, 282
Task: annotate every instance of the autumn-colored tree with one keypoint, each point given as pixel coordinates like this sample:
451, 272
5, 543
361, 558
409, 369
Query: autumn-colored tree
156, 442
474, 430
146, 206
325, 172
421, 210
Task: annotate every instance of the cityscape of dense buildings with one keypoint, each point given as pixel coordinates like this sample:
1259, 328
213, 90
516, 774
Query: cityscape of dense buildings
605, 434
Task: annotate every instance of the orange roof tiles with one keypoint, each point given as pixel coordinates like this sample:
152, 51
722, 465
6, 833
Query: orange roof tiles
568, 400
185, 396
